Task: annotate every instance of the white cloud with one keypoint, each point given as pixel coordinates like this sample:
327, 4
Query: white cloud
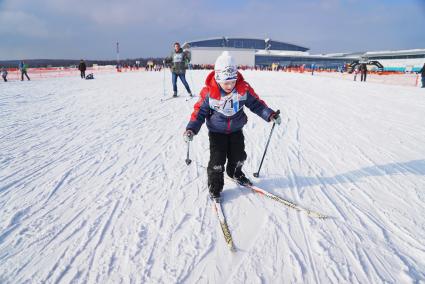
12, 23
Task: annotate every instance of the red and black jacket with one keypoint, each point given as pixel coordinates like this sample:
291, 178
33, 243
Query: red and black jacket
223, 112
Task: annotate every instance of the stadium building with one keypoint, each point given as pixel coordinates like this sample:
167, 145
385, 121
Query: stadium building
265, 52
261, 52
401, 60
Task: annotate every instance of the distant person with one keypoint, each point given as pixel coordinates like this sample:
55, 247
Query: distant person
312, 69
4, 74
23, 67
82, 67
422, 72
179, 61
356, 72
90, 76
149, 66
363, 72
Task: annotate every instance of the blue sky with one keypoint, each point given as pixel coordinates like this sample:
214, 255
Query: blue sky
89, 29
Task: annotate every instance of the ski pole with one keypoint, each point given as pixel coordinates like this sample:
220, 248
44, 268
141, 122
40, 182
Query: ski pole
163, 79
257, 174
188, 161
191, 79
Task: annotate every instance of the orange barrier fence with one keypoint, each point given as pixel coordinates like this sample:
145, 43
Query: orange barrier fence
386, 77
57, 72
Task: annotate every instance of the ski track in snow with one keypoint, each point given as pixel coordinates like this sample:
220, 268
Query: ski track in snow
94, 188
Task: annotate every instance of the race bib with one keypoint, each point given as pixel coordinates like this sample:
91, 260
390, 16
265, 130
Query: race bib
178, 57
227, 105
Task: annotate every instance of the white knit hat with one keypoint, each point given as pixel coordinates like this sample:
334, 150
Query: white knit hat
225, 68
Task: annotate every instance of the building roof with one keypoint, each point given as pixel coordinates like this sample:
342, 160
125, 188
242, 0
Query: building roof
395, 52
246, 43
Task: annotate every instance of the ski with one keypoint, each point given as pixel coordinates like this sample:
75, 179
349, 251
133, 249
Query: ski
169, 98
283, 201
190, 97
223, 224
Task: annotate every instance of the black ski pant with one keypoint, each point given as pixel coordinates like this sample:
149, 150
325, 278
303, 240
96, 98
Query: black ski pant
363, 76
225, 146
4, 78
83, 74
26, 75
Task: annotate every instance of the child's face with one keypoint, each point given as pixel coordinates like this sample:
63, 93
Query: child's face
228, 86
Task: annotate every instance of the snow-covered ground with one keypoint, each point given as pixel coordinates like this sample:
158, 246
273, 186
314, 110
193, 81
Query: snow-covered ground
94, 187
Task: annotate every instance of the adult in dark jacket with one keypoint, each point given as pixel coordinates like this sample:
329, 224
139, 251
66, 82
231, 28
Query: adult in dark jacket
221, 104
82, 67
363, 72
179, 60
422, 72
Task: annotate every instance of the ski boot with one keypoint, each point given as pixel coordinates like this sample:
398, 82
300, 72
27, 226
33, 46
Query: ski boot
243, 180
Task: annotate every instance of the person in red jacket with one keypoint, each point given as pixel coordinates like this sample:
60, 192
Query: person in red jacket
221, 104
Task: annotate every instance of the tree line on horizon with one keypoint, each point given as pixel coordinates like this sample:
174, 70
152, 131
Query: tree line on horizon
43, 63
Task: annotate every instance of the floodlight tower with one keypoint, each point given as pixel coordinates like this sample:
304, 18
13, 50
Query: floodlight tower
225, 42
118, 53
268, 44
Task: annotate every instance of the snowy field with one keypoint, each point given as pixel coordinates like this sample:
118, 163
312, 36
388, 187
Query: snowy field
412, 80
94, 187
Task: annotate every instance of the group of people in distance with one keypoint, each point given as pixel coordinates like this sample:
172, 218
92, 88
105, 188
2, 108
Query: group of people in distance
23, 68
362, 69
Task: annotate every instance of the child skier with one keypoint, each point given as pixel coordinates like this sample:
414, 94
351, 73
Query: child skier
221, 104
